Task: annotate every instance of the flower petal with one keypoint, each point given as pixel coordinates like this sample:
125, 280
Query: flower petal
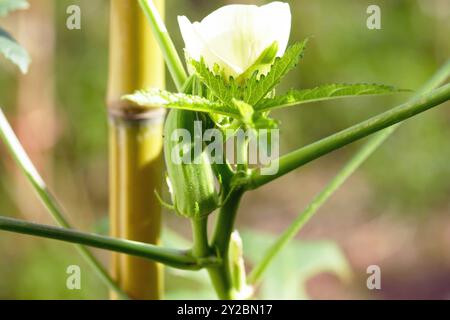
235, 36
197, 48
193, 45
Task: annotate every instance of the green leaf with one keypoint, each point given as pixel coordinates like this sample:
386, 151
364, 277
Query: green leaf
264, 62
224, 90
252, 119
257, 89
13, 51
287, 276
7, 6
324, 92
161, 98
245, 110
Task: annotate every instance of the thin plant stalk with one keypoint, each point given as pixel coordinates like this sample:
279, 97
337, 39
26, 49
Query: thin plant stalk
166, 45
181, 259
135, 146
55, 209
355, 162
224, 226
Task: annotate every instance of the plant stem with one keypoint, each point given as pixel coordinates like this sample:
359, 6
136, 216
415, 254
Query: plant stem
55, 209
135, 146
169, 51
221, 275
200, 236
369, 148
436, 80
172, 257
315, 150
225, 221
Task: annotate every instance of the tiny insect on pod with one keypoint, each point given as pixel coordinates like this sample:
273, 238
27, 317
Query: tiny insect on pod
192, 183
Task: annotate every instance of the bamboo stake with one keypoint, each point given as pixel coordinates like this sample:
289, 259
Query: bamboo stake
135, 146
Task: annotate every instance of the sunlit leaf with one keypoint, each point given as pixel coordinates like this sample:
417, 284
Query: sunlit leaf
325, 92
257, 88
225, 90
245, 110
160, 98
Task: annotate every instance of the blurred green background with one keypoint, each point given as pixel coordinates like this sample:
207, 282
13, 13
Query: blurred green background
395, 212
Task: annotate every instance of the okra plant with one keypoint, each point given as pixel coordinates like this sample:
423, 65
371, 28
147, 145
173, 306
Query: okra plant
235, 59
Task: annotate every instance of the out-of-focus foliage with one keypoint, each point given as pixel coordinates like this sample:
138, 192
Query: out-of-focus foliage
8, 45
13, 51
40, 271
6, 6
287, 276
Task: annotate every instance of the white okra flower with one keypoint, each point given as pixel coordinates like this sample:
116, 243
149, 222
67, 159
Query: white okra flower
239, 38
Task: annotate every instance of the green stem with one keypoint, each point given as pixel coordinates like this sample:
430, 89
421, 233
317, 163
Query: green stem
231, 198
170, 54
200, 235
315, 150
225, 221
436, 80
370, 147
221, 275
171, 257
50, 202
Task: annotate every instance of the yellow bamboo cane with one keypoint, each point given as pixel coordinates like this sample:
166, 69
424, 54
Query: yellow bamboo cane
135, 141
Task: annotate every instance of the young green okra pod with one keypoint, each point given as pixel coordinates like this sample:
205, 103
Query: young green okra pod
190, 173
